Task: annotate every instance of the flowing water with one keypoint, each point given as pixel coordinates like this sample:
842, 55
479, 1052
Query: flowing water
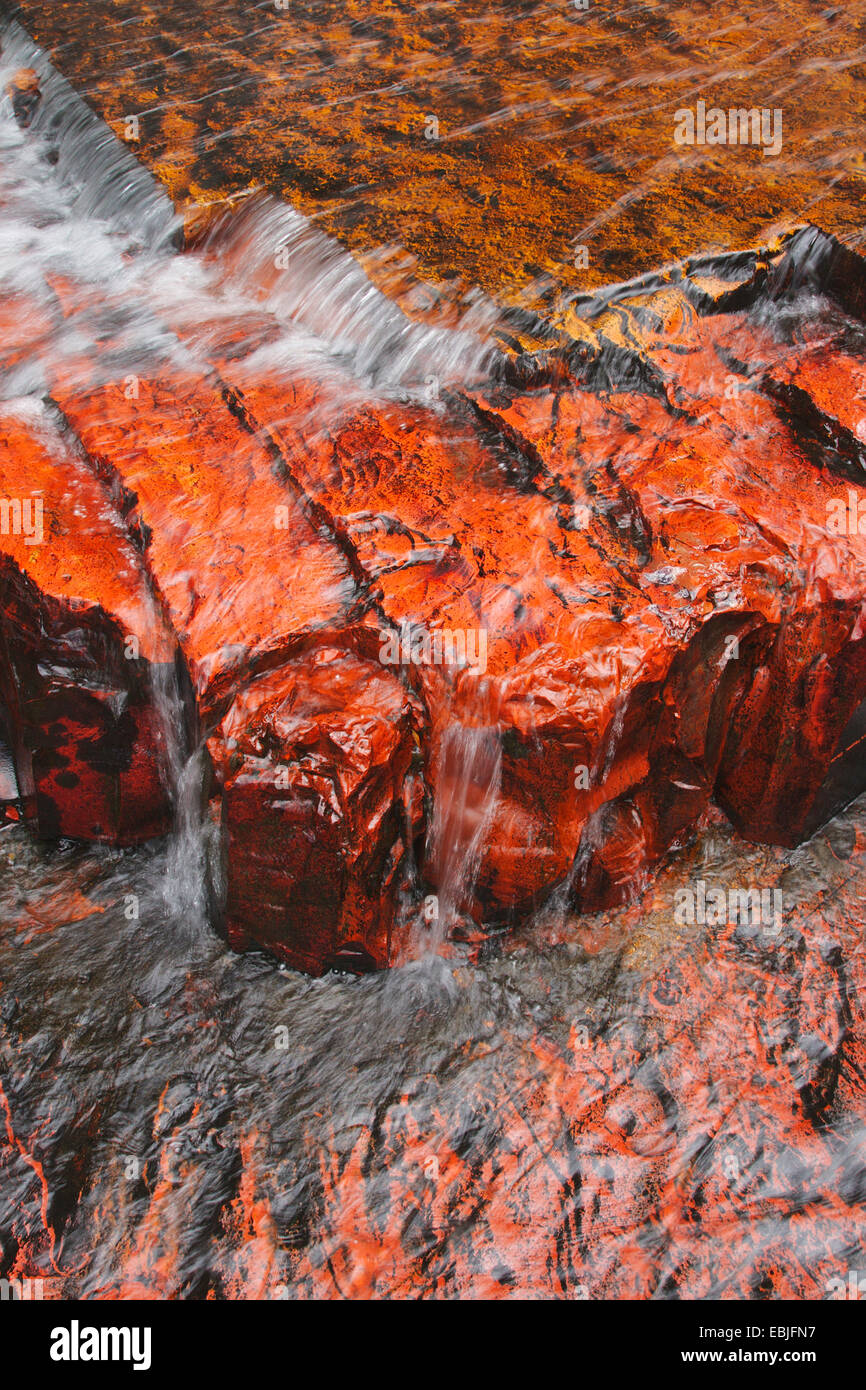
469, 772
68, 206
621, 1105
527, 1119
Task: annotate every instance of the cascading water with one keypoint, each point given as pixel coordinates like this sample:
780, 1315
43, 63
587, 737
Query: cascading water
193, 887
468, 776
101, 179
273, 255
81, 206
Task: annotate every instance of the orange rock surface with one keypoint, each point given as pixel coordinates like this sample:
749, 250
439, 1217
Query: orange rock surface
660, 629
310, 759
515, 639
82, 641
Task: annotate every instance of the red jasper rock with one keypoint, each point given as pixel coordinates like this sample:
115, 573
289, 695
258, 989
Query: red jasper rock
462, 535
565, 612
643, 530
241, 568
272, 616
720, 495
314, 762
81, 644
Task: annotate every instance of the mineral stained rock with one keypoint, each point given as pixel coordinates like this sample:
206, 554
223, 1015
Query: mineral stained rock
742, 462
647, 530
518, 638
83, 646
311, 737
315, 763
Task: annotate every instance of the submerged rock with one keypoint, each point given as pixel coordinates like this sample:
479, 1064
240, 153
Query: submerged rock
24, 94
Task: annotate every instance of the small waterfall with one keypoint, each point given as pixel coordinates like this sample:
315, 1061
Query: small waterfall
79, 207
468, 778
193, 881
560, 903
103, 177
192, 886
269, 251
609, 747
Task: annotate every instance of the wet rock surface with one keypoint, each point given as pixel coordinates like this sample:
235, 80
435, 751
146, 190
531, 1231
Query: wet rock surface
659, 1101
471, 144
627, 1105
511, 638
83, 645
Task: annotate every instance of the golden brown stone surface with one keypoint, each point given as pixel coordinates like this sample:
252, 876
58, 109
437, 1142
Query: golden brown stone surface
555, 124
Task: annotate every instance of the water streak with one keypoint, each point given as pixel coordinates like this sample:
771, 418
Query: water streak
468, 778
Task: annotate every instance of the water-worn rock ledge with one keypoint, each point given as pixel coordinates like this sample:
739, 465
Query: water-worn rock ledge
645, 535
